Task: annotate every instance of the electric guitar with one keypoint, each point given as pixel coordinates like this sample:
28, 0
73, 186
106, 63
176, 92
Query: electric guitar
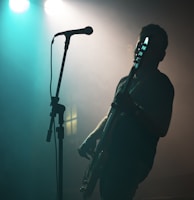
92, 173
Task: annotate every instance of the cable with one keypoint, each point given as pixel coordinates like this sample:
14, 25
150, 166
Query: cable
51, 69
54, 125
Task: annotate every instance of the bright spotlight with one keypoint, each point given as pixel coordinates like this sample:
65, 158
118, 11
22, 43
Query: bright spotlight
19, 6
53, 6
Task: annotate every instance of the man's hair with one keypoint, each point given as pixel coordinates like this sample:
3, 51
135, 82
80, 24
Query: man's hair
155, 31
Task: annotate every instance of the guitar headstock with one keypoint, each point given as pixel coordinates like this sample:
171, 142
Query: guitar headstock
139, 52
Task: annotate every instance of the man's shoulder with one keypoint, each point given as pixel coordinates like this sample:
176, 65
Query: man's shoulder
165, 81
123, 79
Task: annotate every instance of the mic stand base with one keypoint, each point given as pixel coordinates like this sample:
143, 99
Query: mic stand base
60, 131
58, 109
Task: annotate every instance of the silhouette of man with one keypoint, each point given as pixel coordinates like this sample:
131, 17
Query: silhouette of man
145, 117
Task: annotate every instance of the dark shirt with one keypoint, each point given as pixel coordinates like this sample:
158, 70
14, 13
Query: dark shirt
132, 139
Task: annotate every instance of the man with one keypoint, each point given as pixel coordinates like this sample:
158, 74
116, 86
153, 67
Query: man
144, 117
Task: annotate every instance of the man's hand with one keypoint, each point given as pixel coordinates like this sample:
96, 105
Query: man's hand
87, 148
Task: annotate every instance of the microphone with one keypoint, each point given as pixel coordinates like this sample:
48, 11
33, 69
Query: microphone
87, 30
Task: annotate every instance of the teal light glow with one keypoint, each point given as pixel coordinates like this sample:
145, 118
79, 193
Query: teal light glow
19, 6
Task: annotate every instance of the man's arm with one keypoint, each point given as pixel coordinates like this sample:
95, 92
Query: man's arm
156, 126
86, 149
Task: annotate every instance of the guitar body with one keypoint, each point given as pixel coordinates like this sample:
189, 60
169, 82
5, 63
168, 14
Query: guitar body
92, 175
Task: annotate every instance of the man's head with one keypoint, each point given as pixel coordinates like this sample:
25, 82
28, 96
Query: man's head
158, 40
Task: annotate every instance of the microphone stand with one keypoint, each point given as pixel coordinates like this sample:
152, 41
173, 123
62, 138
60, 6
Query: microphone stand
59, 109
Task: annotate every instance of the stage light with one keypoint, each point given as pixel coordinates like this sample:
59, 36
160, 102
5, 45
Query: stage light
19, 6
53, 6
